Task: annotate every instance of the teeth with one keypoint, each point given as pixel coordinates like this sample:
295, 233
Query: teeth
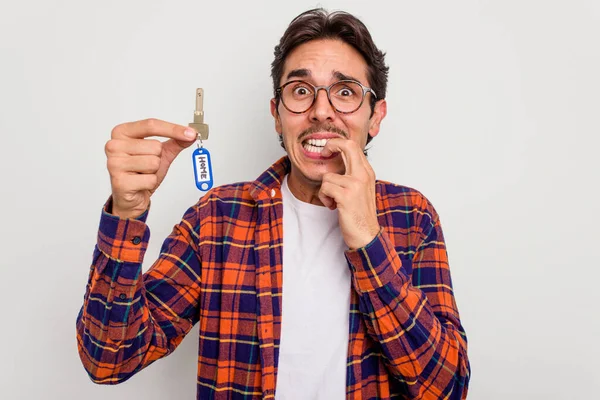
315, 145
317, 142
313, 149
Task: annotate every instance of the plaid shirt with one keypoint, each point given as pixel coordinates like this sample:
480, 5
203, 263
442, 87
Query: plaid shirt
222, 267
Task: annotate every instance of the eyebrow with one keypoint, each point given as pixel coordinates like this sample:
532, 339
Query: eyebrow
304, 73
299, 73
342, 77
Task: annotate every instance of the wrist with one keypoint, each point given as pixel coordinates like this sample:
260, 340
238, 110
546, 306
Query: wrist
365, 239
124, 213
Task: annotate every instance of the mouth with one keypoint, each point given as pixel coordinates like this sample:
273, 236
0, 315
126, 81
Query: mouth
314, 144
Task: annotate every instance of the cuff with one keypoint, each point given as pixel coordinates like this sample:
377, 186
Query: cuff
123, 239
374, 265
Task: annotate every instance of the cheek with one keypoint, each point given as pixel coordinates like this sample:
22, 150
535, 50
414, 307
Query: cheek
357, 127
291, 124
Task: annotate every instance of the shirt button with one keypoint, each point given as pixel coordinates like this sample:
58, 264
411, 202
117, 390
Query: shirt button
122, 296
273, 192
136, 240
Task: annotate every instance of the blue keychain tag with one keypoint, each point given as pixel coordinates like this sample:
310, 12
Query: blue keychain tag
202, 169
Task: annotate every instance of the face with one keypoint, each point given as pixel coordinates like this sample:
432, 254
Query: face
321, 63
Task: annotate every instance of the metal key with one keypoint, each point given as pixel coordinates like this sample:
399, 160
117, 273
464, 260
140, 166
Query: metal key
198, 123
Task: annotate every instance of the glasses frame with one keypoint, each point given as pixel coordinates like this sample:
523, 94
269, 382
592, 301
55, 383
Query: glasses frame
365, 90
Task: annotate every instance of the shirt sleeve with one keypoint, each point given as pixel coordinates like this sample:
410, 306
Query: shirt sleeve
414, 317
129, 319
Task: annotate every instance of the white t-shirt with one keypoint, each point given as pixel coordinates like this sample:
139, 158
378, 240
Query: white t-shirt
315, 303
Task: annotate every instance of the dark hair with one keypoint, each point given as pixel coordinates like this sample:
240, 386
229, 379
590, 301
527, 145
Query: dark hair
321, 24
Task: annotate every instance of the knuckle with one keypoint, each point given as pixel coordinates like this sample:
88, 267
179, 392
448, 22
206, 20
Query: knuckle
154, 163
155, 146
110, 147
151, 124
116, 182
117, 131
111, 164
153, 180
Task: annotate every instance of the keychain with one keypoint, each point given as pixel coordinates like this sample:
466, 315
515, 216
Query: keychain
201, 156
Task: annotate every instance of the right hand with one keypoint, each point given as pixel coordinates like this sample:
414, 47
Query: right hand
137, 166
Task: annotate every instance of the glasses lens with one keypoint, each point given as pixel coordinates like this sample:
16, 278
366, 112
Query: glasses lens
298, 96
346, 96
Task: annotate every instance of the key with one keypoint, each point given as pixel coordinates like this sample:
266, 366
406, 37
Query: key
198, 123
203, 174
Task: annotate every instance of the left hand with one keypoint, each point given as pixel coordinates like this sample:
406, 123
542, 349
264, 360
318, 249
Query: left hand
352, 193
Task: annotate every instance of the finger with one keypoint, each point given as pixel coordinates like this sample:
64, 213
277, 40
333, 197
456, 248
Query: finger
329, 150
153, 127
351, 153
133, 182
134, 164
327, 201
343, 181
368, 167
331, 191
133, 147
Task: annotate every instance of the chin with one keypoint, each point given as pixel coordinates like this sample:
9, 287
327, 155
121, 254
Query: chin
314, 171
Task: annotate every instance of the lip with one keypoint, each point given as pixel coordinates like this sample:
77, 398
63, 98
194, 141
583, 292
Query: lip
316, 156
323, 135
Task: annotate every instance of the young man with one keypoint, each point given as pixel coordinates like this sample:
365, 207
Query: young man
315, 281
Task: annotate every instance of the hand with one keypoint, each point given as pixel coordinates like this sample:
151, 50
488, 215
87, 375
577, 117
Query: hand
352, 193
137, 166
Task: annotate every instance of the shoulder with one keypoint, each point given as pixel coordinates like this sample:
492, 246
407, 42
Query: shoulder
391, 196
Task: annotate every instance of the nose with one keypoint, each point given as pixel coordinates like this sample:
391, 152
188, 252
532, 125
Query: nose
322, 110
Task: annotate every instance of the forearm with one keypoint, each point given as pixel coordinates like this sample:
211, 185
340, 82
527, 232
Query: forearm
115, 334
424, 346
128, 320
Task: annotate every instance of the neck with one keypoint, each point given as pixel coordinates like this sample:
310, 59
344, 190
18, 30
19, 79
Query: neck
304, 189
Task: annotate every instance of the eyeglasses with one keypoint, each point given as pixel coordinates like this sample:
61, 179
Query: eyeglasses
345, 96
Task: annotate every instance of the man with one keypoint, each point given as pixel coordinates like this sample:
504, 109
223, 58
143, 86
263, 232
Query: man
315, 281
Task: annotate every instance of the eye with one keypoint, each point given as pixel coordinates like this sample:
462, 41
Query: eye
345, 92
301, 91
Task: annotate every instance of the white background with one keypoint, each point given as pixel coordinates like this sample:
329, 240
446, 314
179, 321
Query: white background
492, 114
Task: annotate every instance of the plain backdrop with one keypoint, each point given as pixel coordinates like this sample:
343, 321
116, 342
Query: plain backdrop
493, 113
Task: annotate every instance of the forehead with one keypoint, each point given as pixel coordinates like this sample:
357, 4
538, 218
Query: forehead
324, 59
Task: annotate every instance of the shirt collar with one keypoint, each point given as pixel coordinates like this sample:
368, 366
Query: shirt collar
268, 184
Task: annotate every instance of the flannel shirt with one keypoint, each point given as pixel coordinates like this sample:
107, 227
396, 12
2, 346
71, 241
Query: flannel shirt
221, 266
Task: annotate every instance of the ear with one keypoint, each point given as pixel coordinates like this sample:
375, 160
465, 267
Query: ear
379, 114
276, 116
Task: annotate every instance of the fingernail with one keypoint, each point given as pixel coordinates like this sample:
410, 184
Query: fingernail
190, 133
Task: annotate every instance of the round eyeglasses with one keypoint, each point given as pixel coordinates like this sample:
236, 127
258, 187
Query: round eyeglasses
345, 96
